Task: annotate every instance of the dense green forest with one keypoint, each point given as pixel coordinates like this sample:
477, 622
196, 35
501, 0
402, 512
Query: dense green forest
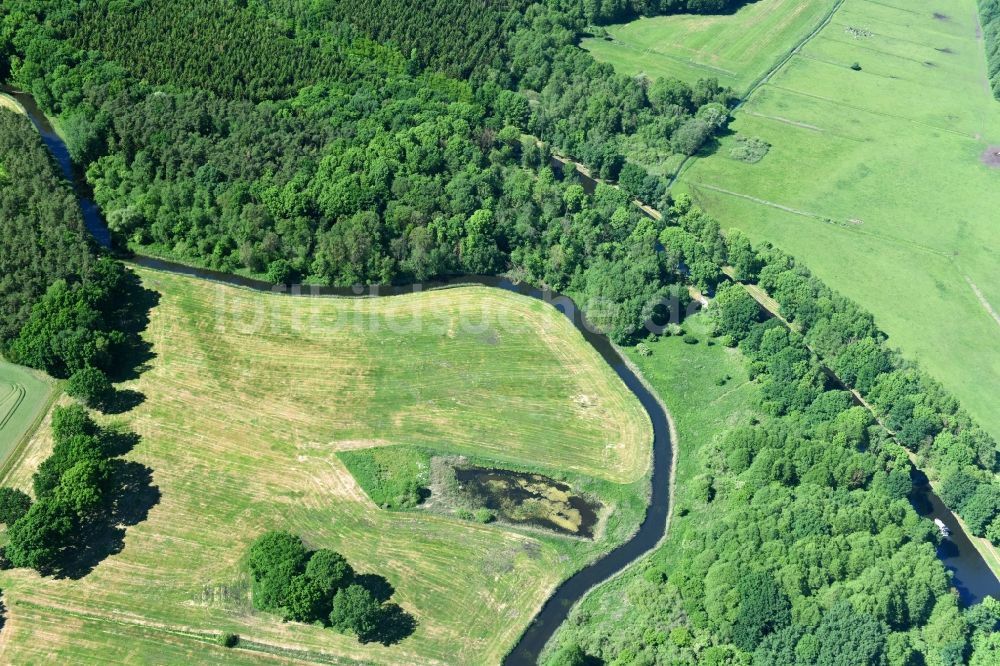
989, 11
793, 541
471, 38
377, 142
64, 308
347, 164
40, 222
804, 547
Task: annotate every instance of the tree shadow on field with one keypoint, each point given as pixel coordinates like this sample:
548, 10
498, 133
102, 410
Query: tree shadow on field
117, 441
394, 625
124, 400
131, 498
132, 317
379, 586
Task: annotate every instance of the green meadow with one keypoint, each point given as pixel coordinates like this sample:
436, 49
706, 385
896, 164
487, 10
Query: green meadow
876, 180
250, 402
736, 49
24, 395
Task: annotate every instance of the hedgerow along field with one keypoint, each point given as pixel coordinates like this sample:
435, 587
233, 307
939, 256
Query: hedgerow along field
24, 395
736, 49
248, 401
876, 180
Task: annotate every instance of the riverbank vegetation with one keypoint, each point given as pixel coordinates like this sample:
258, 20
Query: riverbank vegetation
65, 308
244, 424
792, 539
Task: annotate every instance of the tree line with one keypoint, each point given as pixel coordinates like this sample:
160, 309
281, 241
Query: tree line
83, 494
922, 414
65, 307
989, 11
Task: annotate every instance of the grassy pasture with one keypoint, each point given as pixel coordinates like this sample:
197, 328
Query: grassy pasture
249, 400
24, 395
736, 49
875, 180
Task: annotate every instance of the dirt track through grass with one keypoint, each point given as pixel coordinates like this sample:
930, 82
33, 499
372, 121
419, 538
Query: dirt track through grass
241, 425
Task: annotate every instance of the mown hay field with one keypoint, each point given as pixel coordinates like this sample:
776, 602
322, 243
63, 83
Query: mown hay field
876, 180
248, 400
736, 49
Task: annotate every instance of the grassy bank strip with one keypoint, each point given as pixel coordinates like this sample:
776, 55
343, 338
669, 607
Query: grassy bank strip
8, 102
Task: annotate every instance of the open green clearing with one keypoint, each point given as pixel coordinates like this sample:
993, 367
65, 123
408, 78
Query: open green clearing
736, 49
875, 181
249, 400
24, 395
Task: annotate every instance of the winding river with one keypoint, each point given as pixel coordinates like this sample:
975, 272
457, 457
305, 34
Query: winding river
556, 608
971, 576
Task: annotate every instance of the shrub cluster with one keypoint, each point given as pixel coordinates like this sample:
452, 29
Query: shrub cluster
749, 149
321, 586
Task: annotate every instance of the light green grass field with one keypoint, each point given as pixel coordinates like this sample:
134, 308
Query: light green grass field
685, 377
875, 181
736, 49
24, 395
249, 400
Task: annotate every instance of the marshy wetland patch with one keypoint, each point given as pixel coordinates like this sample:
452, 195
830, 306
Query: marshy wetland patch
515, 498
524, 498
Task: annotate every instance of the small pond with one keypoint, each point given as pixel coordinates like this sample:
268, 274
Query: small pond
529, 499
